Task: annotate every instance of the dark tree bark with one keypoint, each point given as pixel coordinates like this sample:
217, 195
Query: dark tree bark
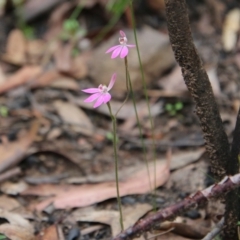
232, 214
200, 89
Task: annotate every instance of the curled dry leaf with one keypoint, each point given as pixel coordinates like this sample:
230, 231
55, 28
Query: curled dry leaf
16, 233
68, 196
35, 50
18, 227
65, 83
130, 216
46, 78
13, 152
16, 53
49, 233
230, 29
8, 203
22, 76
63, 58
75, 116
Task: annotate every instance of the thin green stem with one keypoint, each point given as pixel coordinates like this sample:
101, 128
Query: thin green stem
138, 121
114, 122
127, 87
146, 96
76, 11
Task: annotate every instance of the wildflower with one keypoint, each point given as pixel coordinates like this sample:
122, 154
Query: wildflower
121, 49
100, 94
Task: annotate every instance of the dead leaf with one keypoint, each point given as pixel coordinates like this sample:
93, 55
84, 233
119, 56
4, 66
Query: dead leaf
230, 29
68, 196
2, 76
49, 233
213, 77
13, 152
15, 232
73, 115
16, 219
79, 68
126, 112
13, 188
15, 53
174, 80
35, 8
18, 227
130, 216
63, 57
65, 83
45, 79
156, 5
8, 203
22, 76
185, 230
178, 160
183, 158
35, 50
54, 133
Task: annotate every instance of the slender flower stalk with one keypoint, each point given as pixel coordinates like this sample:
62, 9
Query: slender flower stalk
114, 122
101, 95
122, 51
138, 122
146, 98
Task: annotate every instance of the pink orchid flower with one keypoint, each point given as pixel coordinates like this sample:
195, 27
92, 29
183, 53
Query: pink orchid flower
121, 49
100, 94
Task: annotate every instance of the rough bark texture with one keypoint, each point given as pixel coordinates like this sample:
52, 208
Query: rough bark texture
233, 198
198, 85
200, 88
147, 223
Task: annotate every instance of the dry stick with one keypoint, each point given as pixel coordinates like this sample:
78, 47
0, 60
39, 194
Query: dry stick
10, 174
199, 198
200, 89
217, 229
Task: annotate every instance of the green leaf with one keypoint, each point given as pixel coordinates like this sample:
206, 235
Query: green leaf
3, 111
2, 237
28, 32
118, 6
169, 107
71, 26
178, 106
109, 136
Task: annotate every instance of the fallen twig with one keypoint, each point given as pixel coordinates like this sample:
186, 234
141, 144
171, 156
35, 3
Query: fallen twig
145, 224
10, 174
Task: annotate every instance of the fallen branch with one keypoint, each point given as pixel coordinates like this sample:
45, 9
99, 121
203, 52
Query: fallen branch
145, 224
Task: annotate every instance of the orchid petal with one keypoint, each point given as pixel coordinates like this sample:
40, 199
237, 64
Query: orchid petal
93, 97
100, 101
124, 52
122, 33
112, 81
91, 90
112, 48
116, 52
131, 45
107, 97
